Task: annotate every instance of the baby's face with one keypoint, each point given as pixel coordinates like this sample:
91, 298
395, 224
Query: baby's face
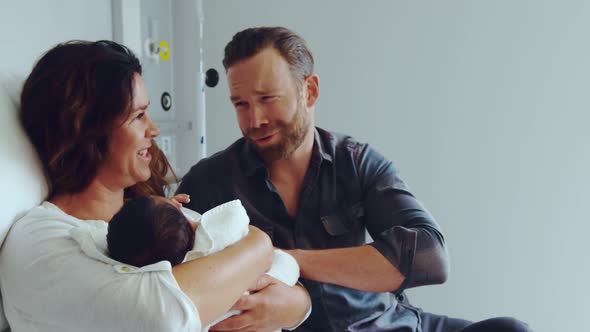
164, 200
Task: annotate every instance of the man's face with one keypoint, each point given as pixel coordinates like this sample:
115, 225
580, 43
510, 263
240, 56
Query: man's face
270, 107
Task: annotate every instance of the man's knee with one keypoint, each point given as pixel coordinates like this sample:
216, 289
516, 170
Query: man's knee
509, 324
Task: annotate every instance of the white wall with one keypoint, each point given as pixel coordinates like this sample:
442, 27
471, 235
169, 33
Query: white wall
30, 27
484, 106
188, 91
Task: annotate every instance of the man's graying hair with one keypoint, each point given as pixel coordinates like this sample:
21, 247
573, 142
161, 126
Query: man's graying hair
247, 43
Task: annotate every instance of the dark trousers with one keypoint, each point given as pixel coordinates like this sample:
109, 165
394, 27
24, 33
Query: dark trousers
438, 323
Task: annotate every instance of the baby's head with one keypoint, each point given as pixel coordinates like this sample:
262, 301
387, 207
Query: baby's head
149, 229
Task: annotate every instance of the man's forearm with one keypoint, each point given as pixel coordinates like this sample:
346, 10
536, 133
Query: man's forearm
362, 268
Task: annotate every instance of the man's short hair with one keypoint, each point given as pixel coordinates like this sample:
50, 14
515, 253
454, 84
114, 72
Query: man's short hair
247, 43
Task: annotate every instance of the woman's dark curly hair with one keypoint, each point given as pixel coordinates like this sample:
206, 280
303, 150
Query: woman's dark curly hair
71, 102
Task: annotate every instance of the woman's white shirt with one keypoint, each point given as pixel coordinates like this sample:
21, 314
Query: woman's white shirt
49, 284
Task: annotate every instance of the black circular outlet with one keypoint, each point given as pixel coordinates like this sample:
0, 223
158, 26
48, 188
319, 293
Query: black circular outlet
211, 77
166, 101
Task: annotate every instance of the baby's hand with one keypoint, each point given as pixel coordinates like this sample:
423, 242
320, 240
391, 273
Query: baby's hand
180, 199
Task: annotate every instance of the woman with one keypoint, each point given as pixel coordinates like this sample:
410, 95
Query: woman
85, 109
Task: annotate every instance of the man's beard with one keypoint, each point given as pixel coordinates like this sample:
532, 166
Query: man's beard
291, 135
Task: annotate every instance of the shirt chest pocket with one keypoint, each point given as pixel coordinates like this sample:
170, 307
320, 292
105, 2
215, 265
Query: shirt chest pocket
346, 222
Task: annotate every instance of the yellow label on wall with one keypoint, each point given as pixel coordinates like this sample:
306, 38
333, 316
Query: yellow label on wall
165, 50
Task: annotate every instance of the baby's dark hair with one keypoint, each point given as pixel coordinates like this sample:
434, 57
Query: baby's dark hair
146, 231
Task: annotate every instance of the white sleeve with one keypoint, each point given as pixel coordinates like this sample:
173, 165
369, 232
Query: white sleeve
48, 284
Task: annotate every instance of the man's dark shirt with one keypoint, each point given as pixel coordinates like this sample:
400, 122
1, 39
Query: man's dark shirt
349, 188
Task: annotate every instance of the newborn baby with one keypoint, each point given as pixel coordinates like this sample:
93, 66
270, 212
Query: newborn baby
151, 229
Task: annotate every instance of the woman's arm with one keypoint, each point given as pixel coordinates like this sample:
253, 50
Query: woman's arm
214, 283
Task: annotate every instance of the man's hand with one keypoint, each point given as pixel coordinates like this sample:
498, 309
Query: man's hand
270, 307
180, 199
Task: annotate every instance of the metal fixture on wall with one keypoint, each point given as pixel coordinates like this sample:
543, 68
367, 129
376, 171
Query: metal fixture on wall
211, 77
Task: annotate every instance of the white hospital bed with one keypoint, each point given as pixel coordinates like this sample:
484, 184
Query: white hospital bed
22, 183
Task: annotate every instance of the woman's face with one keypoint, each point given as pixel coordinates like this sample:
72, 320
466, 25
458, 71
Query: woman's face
129, 160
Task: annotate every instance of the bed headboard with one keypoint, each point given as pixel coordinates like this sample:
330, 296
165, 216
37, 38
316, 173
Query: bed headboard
21, 175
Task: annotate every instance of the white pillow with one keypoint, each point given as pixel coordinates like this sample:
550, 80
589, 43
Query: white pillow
21, 175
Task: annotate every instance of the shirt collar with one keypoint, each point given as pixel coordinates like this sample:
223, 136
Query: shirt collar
321, 145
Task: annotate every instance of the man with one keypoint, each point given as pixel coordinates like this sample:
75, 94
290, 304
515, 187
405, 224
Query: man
316, 193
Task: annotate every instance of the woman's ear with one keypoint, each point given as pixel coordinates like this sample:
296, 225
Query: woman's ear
312, 89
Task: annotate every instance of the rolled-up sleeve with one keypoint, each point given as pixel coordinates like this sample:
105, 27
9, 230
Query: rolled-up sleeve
401, 228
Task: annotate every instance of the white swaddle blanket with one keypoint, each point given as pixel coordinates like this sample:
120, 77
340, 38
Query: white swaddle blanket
223, 226
218, 228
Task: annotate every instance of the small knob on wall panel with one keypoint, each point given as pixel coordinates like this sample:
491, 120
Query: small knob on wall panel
211, 77
166, 101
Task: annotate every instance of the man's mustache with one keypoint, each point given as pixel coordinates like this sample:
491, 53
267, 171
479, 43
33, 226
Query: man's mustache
258, 133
